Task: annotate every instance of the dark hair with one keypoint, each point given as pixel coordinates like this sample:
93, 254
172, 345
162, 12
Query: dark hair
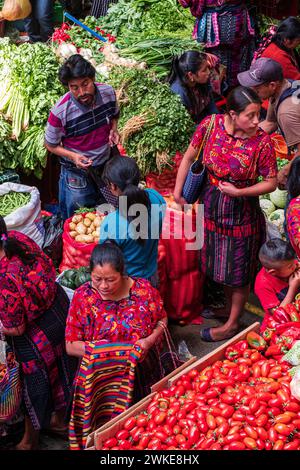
125, 174
189, 61
75, 67
293, 180
275, 250
108, 253
287, 29
240, 97
13, 247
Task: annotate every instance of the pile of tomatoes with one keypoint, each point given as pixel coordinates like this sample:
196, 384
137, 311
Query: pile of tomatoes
243, 404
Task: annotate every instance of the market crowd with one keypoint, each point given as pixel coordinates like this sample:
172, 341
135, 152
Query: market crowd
86, 361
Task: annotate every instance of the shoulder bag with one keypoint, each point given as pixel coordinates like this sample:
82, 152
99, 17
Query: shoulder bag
196, 176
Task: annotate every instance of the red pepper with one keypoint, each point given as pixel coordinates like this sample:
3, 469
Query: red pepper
281, 315
256, 341
275, 350
292, 312
272, 323
284, 326
268, 334
236, 350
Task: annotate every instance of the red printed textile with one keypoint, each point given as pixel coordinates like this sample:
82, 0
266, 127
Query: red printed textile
293, 224
25, 291
91, 318
236, 159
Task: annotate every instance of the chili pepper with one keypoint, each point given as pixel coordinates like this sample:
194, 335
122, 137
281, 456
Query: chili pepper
292, 312
256, 341
285, 326
236, 350
281, 315
268, 334
275, 350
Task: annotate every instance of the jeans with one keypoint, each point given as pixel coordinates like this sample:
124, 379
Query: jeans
39, 25
77, 189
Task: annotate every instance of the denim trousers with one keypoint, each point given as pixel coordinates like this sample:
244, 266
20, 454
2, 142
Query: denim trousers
77, 189
39, 25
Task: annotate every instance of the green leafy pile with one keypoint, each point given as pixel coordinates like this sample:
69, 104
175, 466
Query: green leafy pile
148, 19
29, 87
165, 125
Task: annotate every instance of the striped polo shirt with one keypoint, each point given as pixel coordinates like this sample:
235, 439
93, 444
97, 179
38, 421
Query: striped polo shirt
83, 129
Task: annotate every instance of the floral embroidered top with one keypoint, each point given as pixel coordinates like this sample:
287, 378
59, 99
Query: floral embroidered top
237, 160
25, 291
91, 318
293, 224
198, 6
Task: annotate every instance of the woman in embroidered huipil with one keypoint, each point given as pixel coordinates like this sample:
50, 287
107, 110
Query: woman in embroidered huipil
115, 325
33, 312
236, 154
226, 29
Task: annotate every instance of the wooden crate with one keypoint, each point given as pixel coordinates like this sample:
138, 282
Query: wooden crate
163, 383
109, 429
216, 354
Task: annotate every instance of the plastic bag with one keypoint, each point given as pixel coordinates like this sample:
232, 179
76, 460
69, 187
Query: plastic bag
27, 219
295, 385
53, 243
293, 355
183, 351
15, 10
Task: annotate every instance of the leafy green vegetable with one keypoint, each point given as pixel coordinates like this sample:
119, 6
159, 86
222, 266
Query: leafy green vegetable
168, 127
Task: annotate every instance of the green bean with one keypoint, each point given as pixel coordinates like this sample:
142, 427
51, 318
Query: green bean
12, 201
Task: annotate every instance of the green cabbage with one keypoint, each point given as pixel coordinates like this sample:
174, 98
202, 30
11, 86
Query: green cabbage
277, 218
279, 197
267, 206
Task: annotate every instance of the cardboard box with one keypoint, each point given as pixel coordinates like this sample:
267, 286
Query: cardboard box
97, 438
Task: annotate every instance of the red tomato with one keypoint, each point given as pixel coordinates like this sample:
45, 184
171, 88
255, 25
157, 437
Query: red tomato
180, 438
160, 417
292, 406
273, 435
250, 443
262, 433
142, 421
124, 444
227, 411
294, 445
283, 418
155, 444
193, 435
144, 441
260, 444
222, 430
193, 373
275, 402
130, 423
284, 395
283, 429
278, 445
203, 427
161, 435
122, 434
211, 422
226, 398
237, 445
265, 369
111, 442
177, 429
251, 432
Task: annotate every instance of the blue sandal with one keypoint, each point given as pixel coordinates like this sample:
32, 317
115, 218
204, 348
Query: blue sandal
205, 335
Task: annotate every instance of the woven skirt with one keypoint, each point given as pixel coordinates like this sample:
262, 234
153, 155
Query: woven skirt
234, 230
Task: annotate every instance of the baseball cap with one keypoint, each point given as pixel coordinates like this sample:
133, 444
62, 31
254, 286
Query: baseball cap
263, 70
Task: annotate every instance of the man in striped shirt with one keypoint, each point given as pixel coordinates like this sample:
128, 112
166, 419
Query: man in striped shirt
81, 129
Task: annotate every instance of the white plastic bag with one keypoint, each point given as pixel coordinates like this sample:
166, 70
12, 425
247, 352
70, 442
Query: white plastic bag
15, 10
293, 355
26, 219
295, 385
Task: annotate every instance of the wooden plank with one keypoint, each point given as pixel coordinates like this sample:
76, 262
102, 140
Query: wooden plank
163, 383
116, 424
216, 354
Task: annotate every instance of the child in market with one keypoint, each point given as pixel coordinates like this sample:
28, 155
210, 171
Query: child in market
278, 282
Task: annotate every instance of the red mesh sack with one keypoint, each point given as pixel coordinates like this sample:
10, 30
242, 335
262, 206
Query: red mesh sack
75, 254
164, 182
183, 299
